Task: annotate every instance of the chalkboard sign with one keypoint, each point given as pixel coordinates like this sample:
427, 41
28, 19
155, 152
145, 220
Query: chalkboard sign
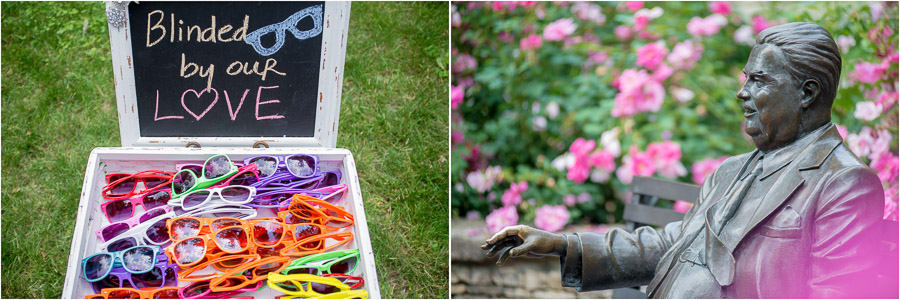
210, 69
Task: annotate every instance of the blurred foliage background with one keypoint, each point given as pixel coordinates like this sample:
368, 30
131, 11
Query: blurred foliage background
556, 105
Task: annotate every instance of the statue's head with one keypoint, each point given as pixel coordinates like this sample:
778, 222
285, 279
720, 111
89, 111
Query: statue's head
792, 78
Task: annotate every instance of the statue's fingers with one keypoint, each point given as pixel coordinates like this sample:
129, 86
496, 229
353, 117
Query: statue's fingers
496, 248
524, 248
504, 256
505, 232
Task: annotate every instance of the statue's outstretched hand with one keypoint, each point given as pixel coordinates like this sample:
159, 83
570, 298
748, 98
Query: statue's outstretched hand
521, 240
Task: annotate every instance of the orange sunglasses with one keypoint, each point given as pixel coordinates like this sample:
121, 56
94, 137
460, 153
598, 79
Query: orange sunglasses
259, 270
316, 244
184, 227
307, 207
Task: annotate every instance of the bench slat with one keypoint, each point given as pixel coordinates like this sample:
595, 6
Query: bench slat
664, 189
650, 215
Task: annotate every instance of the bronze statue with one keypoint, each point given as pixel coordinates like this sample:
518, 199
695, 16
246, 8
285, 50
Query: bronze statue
795, 218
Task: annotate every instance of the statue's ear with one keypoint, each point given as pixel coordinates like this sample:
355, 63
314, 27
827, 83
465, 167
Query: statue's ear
810, 90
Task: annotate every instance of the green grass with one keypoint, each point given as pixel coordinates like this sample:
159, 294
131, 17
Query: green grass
58, 104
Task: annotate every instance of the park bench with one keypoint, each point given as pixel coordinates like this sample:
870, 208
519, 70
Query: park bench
642, 211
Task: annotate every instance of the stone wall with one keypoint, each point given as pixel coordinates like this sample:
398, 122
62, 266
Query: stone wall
473, 275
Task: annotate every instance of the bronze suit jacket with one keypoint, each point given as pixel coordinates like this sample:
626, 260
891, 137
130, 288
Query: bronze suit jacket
813, 237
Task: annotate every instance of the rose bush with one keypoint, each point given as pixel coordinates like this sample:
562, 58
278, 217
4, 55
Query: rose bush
556, 106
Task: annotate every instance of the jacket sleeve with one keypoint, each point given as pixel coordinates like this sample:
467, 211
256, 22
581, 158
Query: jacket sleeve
845, 235
621, 259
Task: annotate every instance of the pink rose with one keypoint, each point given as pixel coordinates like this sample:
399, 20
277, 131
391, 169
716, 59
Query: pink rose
457, 136
685, 54
886, 100
639, 92
580, 170
704, 167
868, 72
581, 147
860, 144
513, 195
665, 158
662, 73
456, 96
559, 29
603, 160
531, 42
720, 7
570, 200
682, 206
760, 23
867, 110
682, 94
502, 217
587, 11
651, 55
584, 197
635, 163
744, 35
464, 62
622, 32
887, 166
634, 6
845, 42
881, 142
706, 26
551, 217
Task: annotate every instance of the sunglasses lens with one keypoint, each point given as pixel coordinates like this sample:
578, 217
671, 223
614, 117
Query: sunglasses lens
247, 178
301, 165
217, 167
304, 231
139, 259
152, 279
195, 199
189, 251
196, 290
158, 233
265, 269
119, 210
235, 194
268, 233
111, 281
124, 294
336, 196
123, 187
344, 266
166, 294
232, 239
183, 182
156, 199
152, 182
121, 245
113, 230
323, 288
331, 178
218, 224
184, 228
196, 169
97, 266
265, 165
153, 213
269, 252
311, 271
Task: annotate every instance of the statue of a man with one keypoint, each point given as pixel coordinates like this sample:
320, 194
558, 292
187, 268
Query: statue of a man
795, 218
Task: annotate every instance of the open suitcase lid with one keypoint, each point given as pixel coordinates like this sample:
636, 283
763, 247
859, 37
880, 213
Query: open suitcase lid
228, 74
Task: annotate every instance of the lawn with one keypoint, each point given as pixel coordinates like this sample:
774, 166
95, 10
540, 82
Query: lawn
58, 104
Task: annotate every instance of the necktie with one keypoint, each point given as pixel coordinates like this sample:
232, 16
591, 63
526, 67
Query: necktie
737, 196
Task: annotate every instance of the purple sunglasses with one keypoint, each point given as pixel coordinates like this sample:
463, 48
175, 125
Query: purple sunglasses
162, 274
273, 199
299, 165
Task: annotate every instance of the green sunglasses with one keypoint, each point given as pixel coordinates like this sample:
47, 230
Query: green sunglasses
215, 169
343, 262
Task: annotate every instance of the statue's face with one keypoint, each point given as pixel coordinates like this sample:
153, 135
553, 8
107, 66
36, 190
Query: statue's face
770, 98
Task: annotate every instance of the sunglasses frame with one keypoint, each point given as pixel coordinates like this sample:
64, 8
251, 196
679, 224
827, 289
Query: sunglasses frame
298, 280
209, 198
209, 294
351, 294
258, 198
281, 162
118, 260
105, 293
132, 221
251, 168
138, 177
326, 259
238, 273
202, 182
302, 203
246, 211
139, 233
341, 237
135, 201
123, 275
204, 223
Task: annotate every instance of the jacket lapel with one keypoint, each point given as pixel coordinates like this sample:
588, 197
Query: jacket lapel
719, 249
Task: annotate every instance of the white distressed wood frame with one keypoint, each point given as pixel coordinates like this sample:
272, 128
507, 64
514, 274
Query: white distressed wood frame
108, 160
331, 77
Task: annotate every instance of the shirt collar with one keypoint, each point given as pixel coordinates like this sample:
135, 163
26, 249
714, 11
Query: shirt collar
779, 158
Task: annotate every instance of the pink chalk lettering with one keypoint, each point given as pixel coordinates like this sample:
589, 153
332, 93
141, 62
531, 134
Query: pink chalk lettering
198, 97
233, 113
156, 111
258, 96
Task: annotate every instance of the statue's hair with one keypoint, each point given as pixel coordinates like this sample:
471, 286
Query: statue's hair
811, 53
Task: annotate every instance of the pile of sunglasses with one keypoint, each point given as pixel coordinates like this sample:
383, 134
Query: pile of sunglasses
202, 224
